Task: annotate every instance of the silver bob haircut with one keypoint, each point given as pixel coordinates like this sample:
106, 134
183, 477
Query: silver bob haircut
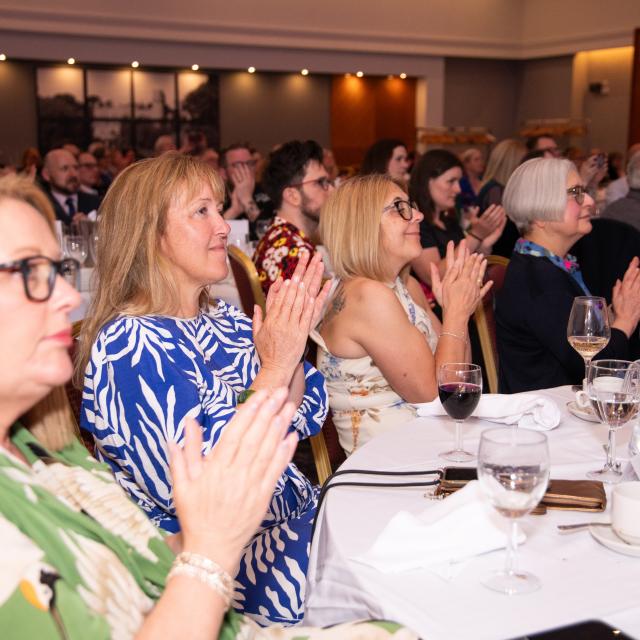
537, 190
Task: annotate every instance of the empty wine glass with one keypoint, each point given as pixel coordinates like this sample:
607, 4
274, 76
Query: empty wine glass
613, 387
459, 389
588, 328
76, 247
93, 247
513, 470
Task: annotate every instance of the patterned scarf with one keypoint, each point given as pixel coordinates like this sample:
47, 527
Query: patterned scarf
569, 264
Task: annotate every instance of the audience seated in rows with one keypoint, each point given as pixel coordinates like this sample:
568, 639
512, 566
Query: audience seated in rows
551, 207
153, 354
380, 343
298, 185
79, 559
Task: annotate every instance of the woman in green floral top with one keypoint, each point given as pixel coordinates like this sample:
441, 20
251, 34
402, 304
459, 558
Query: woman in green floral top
79, 560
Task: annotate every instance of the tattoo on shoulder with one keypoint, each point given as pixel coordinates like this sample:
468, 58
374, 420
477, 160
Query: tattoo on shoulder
337, 304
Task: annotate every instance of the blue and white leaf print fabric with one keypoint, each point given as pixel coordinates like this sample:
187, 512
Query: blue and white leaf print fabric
145, 376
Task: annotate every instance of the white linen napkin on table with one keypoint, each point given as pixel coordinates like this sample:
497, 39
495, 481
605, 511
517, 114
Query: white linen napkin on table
457, 528
527, 410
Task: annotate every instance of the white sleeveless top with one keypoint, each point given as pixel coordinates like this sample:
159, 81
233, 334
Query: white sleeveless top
361, 400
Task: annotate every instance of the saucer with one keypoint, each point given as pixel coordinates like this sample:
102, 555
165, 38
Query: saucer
583, 414
607, 537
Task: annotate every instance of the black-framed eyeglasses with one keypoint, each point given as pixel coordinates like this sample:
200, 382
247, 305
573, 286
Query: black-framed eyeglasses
324, 183
404, 208
244, 163
578, 192
39, 274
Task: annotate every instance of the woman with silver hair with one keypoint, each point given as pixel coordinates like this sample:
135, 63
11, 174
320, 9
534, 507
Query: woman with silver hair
547, 201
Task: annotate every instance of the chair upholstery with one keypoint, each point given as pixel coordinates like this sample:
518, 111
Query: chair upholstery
247, 281
484, 318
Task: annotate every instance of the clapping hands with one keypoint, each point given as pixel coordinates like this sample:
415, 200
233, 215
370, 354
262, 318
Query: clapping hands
461, 287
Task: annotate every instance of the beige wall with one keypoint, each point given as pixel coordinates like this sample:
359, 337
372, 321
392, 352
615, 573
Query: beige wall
608, 114
545, 89
481, 93
479, 28
266, 109
18, 123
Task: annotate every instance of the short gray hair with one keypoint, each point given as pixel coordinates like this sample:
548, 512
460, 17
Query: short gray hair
537, 190
633, 171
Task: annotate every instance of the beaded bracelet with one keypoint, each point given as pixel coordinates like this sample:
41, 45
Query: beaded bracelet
206, 570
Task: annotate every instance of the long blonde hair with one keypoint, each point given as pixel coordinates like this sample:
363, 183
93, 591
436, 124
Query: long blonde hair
503, 160
350, 227
50, 420
133, 276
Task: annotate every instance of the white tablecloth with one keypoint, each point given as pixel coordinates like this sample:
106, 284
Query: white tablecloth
580, 578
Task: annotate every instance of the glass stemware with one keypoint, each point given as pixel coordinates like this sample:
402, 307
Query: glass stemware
459, 389
76, 247
513, 470
613, 387
588, 328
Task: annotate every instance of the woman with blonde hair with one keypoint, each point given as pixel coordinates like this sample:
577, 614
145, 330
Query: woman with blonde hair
380, 343
79, 559
155, 353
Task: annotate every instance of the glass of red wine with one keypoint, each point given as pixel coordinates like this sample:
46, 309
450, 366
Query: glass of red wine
459, 388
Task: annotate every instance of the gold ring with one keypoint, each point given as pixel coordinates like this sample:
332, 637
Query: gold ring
480, 283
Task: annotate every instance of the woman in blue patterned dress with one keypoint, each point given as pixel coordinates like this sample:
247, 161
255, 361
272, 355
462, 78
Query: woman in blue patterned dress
153, 354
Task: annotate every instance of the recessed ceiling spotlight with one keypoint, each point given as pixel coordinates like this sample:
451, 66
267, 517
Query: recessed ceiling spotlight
71, 60
195, 67
403, 76
135, 64
3, 57
359, 74
251, 69
305, 72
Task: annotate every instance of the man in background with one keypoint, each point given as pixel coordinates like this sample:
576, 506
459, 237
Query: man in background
627, 209
298, 185
62, 186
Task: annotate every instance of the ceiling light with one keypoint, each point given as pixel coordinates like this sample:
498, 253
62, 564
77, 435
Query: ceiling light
3, 57
71, 60
195, 67
305, 72
251, 69
135, 64
403, 76
359, 74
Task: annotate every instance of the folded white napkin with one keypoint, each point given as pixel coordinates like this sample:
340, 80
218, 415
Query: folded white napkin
457, 528
527, 410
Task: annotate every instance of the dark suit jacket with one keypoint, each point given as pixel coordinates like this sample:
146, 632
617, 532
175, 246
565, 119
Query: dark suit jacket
86, 204
532, 311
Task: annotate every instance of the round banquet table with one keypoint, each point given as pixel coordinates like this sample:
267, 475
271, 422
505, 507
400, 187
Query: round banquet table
581, 579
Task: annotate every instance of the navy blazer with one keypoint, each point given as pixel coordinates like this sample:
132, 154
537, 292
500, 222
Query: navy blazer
532, 312
87, 203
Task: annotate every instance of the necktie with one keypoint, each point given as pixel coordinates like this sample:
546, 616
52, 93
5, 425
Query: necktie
71, 207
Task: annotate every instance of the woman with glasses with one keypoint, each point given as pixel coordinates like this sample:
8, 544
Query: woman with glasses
380, 343
79, 559
154, 351
547, 201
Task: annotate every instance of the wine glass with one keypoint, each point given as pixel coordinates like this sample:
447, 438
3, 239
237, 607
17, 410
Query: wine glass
613, 387
459, 389
588, 328
513, 470
93, 247
76, 247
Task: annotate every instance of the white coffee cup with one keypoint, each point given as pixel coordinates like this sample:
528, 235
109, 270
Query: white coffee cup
602, 383
625, 511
